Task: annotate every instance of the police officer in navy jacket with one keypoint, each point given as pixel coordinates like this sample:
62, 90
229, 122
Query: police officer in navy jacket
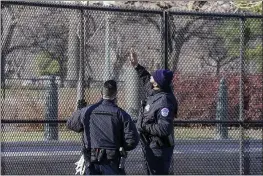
155, 122
106, 127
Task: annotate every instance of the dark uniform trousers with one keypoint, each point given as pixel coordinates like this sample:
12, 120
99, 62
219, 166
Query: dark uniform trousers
104, 168
155, 124
157, 161
104, 164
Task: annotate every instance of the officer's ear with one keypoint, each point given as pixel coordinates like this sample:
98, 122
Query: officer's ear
155, 84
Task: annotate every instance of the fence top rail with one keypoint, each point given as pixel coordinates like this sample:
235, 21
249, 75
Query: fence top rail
215, 14
137, 10
83, 7
9, 121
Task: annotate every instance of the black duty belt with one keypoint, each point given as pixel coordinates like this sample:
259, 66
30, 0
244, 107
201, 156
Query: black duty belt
99, 155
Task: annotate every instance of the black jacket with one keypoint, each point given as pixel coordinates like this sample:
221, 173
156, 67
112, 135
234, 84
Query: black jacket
105, 126
156, 117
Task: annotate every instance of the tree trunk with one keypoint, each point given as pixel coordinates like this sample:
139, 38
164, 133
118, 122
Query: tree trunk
118, 65
218, 68
177, 40
62, 71
175, 55
7, 33
73, 50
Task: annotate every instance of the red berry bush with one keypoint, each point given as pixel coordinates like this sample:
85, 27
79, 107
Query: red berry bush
198, 95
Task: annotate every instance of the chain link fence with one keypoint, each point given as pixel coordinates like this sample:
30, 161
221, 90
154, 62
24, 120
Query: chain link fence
52, 55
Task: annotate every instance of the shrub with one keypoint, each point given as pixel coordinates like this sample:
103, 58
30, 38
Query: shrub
197, 96
47, 65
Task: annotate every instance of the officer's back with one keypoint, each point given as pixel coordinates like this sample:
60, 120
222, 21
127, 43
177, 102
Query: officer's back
108, 123
106, 128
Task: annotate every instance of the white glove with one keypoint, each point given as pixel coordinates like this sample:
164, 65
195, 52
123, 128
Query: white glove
80, 166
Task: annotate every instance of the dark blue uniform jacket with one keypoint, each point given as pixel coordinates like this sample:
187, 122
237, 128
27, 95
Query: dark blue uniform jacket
105, 125
156, 117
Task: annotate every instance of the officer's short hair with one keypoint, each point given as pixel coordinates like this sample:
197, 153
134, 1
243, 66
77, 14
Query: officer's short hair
109, 90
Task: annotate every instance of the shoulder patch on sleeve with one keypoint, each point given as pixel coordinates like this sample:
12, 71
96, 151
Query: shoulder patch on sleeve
165, 112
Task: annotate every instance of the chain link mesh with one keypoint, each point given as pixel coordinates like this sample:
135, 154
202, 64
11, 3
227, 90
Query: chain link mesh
44, 50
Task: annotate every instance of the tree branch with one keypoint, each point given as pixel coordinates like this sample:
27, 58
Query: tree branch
229, 60
152, 21
195, 32
18, 47
207, 62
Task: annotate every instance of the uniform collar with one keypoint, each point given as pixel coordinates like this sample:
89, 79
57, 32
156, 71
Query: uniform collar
108, 102
154, 92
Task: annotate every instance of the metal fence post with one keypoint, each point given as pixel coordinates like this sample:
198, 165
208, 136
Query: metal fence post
107, 66
222, 110
165, 36
247, 157
241, 101
80, 87
262, 75
166, 64
2, 78
3, 87
132, 88
51, 110
73, 50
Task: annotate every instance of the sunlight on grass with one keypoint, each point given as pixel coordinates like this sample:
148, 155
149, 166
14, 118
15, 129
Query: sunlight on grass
38, 136
208, 133
180, 133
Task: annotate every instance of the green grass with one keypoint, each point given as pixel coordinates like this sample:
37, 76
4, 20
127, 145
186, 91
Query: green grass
37, 136
180, 133
207, 133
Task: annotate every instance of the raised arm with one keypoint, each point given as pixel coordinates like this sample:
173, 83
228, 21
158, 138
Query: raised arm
143, 74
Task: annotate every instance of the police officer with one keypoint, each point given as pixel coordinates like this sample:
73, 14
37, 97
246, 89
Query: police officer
155, 122
106, 129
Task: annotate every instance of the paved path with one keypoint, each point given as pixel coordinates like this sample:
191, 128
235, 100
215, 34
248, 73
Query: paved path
181, 146
190, 157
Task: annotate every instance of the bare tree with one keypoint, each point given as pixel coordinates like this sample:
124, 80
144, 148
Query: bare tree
123, 41
10, 22
73, 48
217, 55
92, 28
49, 31
180, 34
120, 40
46, 32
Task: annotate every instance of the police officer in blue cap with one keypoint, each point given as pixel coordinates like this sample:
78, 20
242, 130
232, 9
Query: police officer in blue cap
155, 122
106, 128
